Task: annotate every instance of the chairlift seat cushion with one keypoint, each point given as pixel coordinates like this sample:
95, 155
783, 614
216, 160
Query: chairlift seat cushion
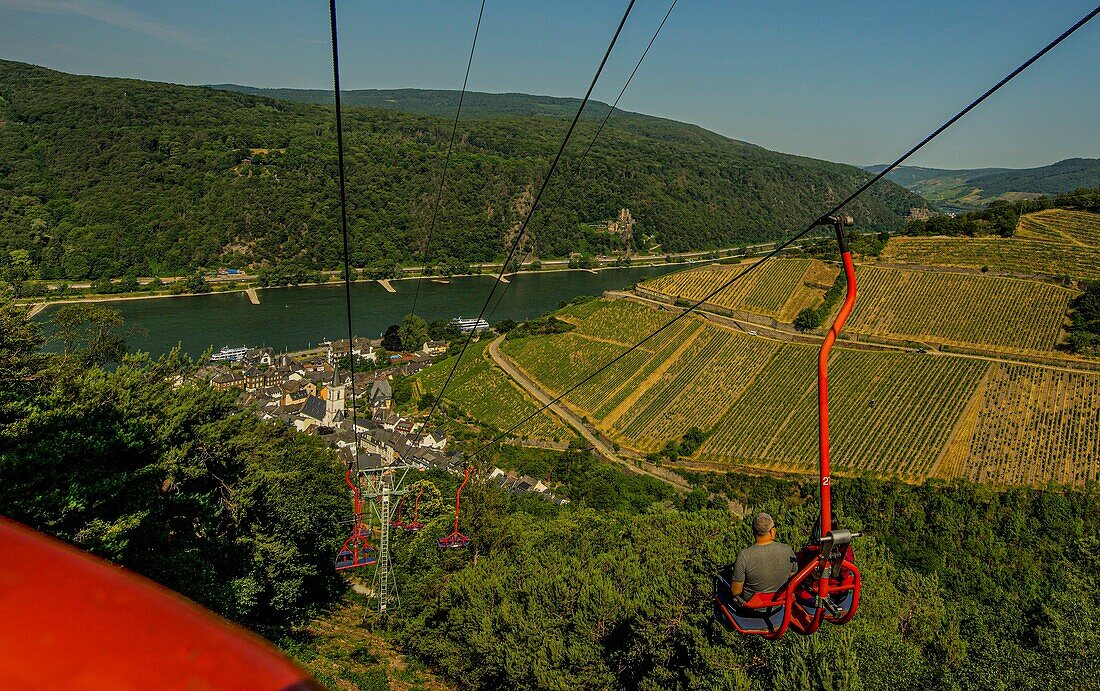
347, 560
765, 613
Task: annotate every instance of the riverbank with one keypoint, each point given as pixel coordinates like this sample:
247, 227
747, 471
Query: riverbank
438, 280
296, 318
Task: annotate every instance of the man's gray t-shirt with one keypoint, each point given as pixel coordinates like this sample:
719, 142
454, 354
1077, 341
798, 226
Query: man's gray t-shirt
764, 568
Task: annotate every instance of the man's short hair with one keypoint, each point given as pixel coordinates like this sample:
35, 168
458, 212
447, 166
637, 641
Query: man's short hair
762, 524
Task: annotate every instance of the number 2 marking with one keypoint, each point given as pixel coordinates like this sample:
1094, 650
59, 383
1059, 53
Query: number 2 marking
825, 481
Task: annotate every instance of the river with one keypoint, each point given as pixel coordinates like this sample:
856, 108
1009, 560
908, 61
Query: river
299, 317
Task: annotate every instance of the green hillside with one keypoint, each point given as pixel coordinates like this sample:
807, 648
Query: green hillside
970, 189
100, 177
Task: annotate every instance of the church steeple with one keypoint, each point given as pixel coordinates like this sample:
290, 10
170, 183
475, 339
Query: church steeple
334, 395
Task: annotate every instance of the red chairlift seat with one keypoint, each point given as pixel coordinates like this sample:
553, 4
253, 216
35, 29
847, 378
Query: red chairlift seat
840, 575
763, 613
354, 558
399, 521
415, 526
825, 588
357, 551
456, 540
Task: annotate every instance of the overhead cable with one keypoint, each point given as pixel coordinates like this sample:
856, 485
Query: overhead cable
530, 212
447, 159
344, 221
606, 117
814, 224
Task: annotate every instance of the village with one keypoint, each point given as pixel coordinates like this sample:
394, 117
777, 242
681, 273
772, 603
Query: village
311, 392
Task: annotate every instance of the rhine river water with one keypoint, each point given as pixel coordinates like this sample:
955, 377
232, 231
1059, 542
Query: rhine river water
298, 318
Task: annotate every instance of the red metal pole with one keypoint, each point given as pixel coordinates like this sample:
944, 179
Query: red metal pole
458, 495
823, 376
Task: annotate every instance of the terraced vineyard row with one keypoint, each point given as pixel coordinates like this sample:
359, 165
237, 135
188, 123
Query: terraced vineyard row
967, 309
1030, 425
677, 338
600, 395
1061, 225
487, 394
558, 362
765, 291
696, 390
622, 321
1015, 255
892, 413
577, 313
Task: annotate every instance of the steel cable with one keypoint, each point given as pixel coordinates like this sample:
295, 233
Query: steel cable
817, 222
530, 213
447, 160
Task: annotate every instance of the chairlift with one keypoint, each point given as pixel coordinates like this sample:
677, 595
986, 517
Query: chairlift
826, 585
415, 525
456, 540
398, 522
356, 550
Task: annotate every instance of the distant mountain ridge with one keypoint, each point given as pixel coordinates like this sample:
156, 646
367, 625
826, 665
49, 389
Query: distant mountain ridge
975, 188
475, 104
441, 102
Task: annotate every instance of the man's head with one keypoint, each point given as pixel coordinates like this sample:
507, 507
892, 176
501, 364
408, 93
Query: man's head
763, 526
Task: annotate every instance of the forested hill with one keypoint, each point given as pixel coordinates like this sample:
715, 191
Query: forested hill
980, 186
101, 177
440, 102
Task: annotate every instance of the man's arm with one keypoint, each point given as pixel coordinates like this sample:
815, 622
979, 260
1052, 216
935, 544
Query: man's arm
737, 581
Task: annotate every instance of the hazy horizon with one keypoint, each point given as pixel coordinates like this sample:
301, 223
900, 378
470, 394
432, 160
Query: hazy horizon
854, 84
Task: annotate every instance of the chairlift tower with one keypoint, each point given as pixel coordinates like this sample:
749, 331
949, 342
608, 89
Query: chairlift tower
379, 486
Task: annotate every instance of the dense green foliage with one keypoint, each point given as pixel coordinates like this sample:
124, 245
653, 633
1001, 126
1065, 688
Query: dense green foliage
413, 332
104, 177
539, 326
813, 317
174, 482
440, 102
1084, 332
89, 333
965, 587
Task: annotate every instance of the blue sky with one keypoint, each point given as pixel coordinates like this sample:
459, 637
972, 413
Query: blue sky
857, 82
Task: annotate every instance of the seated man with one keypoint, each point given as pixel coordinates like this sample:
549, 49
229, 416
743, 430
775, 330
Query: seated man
764, 567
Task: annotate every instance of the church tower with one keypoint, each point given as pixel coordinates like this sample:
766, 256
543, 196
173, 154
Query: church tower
334, 397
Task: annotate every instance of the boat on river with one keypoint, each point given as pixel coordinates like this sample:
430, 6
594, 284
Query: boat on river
230, 354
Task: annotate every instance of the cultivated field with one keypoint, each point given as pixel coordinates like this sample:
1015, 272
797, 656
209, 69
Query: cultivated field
1061, 225
894, 414
1014, 255
558, 362
778, 289
961, 309
1029, 425
695, 391
891, 413
487, 394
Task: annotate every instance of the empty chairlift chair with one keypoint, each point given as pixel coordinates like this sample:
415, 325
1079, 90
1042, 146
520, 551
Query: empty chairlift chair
456, 540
